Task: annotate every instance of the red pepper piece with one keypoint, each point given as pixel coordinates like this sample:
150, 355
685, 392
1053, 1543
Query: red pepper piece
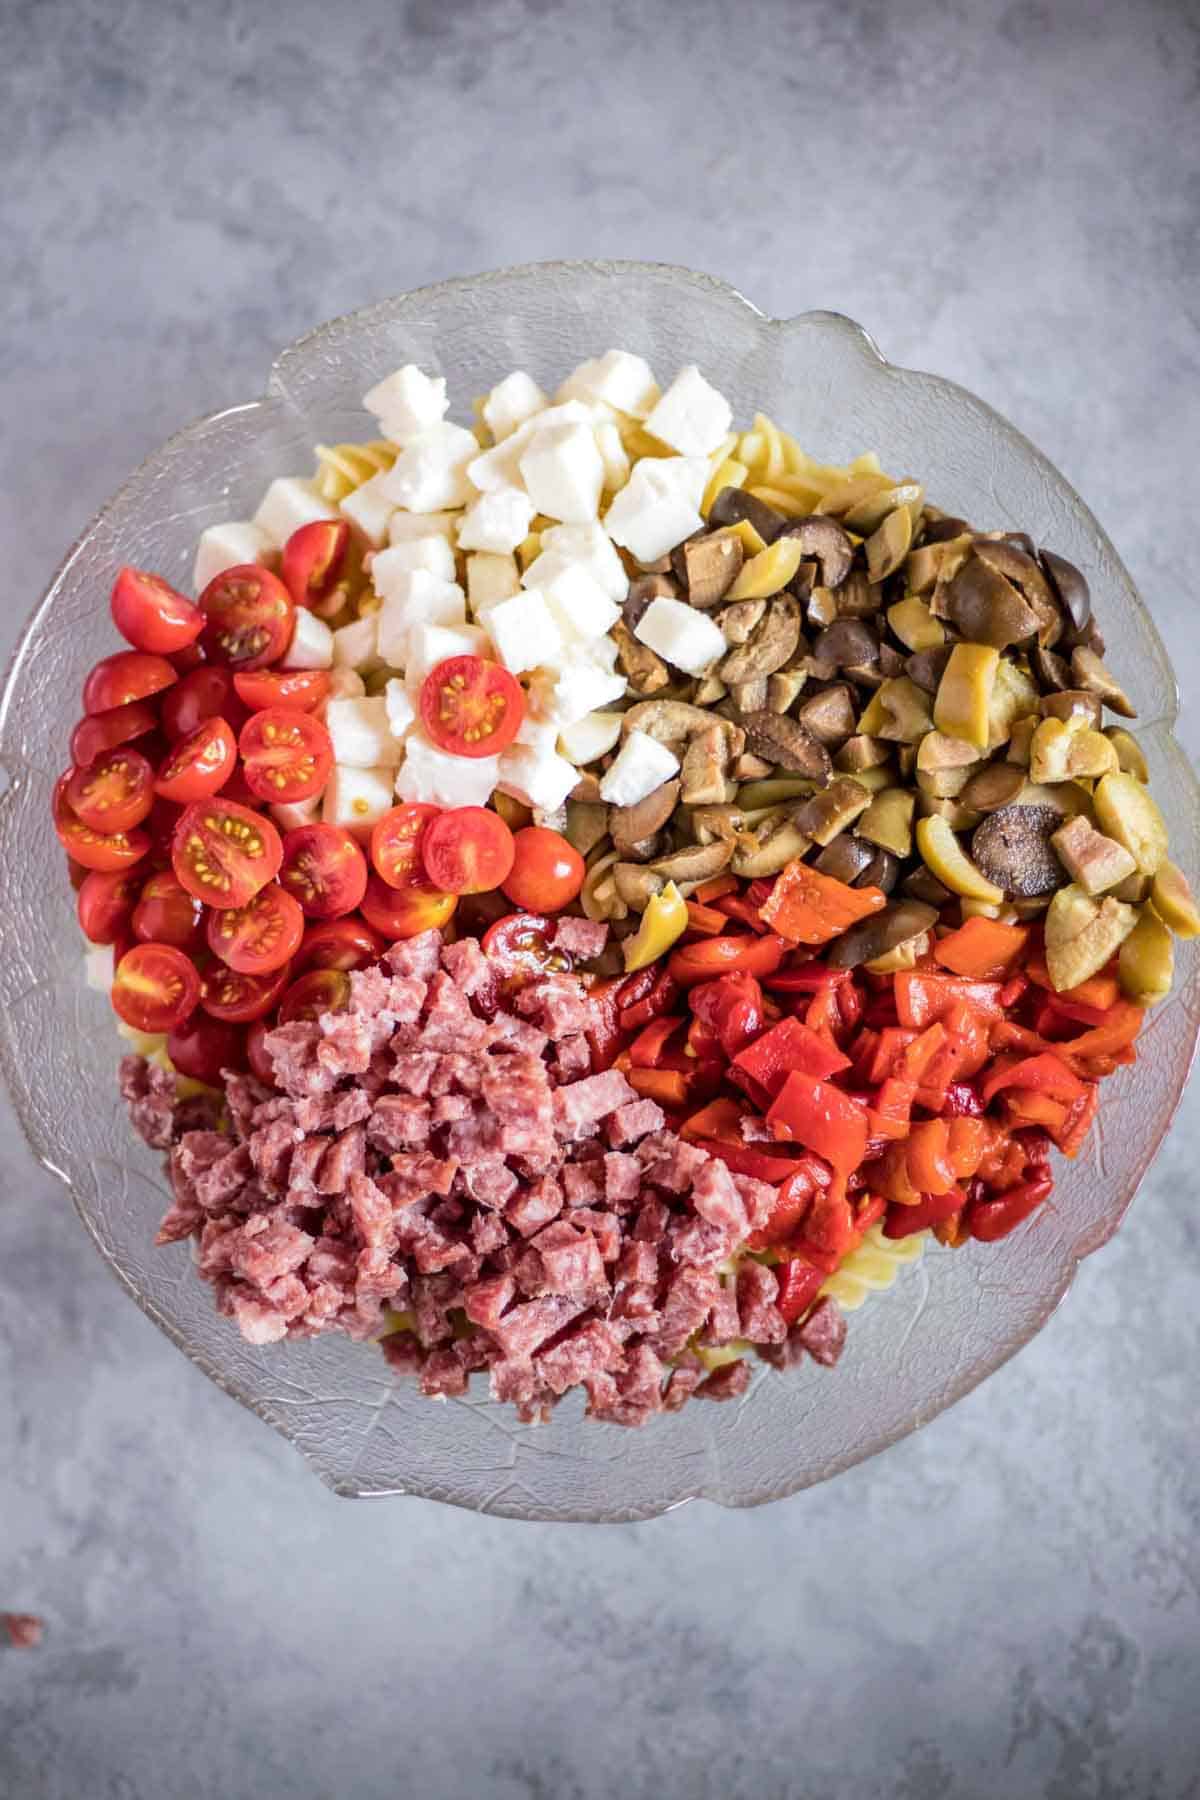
792, 1201
787, 1047
922, 998
649, 1046
732, 1008
931, 1209
990, 1220
799, 1285
666, 1086
1043, 1074
821, 1117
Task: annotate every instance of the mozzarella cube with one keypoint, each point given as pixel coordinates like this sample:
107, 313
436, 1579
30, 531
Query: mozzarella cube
361, 733
407, 402
587, 544
489, 580
290, 502
658, 507
590, 737
691, 416
563, 472
619, 378
98, 967
403, 526
524, 632
580, 605
344, 684
428, 645
567, 695
356, 798
511, 402
496, 522
538, 734
369, 510
227, 546
312, 642
501, 466
289, 815
356, 646
432, 553
688, 639
604, 652
441, 779
613, 455
641, 765
536, 776
417, 597
430, 472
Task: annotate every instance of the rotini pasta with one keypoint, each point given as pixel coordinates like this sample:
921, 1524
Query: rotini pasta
873, 1267
343, 467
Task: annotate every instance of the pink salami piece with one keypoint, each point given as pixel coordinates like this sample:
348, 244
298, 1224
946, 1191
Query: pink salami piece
729, 1382
582, 939
823, 1333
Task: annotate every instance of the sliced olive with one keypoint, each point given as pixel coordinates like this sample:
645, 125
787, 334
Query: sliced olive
926, 667
789, 744
826, 813
882, 932
996, 786
1070, 586
631, 825
1070, 703
845, 857
711, 565
1089, 672
847, 641
1013, 556
1012, 849
860, 752
986, 608
824, 539
1050, 671
888, 544
887, 822
883, 871
1131, 758
923, 884
829, 716
732, 504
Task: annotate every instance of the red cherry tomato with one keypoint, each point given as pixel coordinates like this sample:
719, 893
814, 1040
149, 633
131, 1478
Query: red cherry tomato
167, 914
106, 902
150, 615
286, 755
471, 707
260, 1063
104, 731
163, 817
396, 842
249, 617
324, 869
237, 998
404, 912
224, 853
129, 675
312, 560
547, 872
105, 850
320, 991
468, 850
259, 937
202, 1047
115, 792
155, 987
187, 659
199, 764
203, 693
299, 689
339, 944
520, 945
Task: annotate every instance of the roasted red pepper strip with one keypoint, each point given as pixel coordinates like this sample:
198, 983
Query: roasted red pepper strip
736, 906
648, 1047
981, 947
931, 1209
1120, 1031
829, 1229
930, 1168
989, 1220
808, 907
748, 1159
792, 1201
788, 1046
744, 954
1044, 1074
666, 1086
660, 999
922, 998
732, 1008
822, 1118
1079, 1121
799, 1285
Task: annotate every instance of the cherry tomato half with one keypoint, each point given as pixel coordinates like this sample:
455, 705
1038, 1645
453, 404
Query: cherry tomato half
150, 615
468, 850
187, 659
115, 792
396, 841
106, 902
324, 869
203, 1047
471, 707
249, 617
261, 936
320, 991
94, 849
224, 853
404, 912
227, 994
299, 689
339, 944
286, 755
312, 560
155, 987
260, 1063
203, 693
104, 731
520, 944
547, 872
199, 764
127, 676
167, 914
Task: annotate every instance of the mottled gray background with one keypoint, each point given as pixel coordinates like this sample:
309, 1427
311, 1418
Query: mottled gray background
1005, 1605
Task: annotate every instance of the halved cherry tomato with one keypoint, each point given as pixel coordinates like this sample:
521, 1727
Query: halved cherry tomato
105, 850
521, 945
286, 755
200, 764
256, 1055
187, 659
236, 789
150, 615
404, 912
471, 707
320, 991
76, 873
115, 792
201, 694
129, 675
467, 850
227, 994
312, 560
167, 914
202, 1047
224, 853
260, 936
104, 731
155, 987
547, 871
324, 869
396, 842
161, 821
249, 617
300, 689
339, 944
106, 902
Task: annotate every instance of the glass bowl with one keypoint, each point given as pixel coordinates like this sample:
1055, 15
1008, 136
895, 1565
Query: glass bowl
953, 1317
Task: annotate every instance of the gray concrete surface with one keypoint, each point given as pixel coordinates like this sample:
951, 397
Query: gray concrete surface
1006, 1605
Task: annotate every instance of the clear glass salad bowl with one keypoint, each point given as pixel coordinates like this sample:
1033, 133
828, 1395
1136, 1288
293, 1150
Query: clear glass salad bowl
952, 1318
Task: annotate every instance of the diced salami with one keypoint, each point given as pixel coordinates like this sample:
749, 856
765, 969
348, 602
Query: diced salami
584, 1103
418, 956
637, 1119
761, 1320
823, 1333
533, 1207
587, 1349
582, 939
729, 1382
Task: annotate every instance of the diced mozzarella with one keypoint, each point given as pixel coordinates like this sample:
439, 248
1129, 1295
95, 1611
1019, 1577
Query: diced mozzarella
417, 597
524, 632
432, 553
587, 544
603, 651
563, 472
312, 642
290, 502
497, 522
658, 506
223, 547
98, 966
687, 638
618, 377
511, 402
579, 604
428, 645
441, 779
613, 455
567, 695
361, 733
405, 525
369, 509
345, 683
640, 765
356, 798
356, 646
407, 402
536, 776
501, 467
590, 737
289, 815
490, 579
430, 472
691, 416
399, 708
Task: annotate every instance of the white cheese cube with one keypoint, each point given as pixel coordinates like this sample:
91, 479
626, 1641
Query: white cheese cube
641, 765
590, 737
441, 779
361, 733
580, 605
98, 966
658, 506
369, 510
524, 632
567, 695
432, 553
226, 546
497, 522
407, 402
688, 639
290, 502
289, 815
587, 544
402, 526
344, 684
563, 472
511, 402
490, 579
538, 734
356, 798
417, 597
401, 715
619, 378
613, 455
430, 472
356, 646
501, 467
691, 416
312, 642
536, 776
428, 645
604, 652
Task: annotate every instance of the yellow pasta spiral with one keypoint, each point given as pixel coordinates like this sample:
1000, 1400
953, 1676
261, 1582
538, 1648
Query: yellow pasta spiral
873, 1267
343, 467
